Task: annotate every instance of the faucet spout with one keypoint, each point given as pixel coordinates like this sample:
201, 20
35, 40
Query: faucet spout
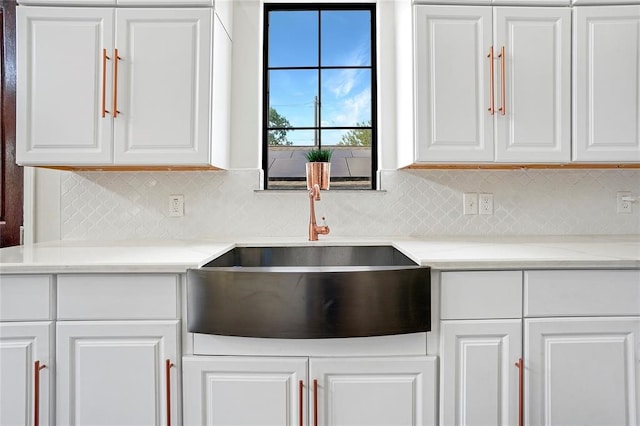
314, 228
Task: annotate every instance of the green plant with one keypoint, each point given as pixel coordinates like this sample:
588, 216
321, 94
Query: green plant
319, 155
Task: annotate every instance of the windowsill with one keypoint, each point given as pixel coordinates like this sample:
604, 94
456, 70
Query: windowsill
340, 191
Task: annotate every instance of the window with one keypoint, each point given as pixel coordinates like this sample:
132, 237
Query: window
319, 93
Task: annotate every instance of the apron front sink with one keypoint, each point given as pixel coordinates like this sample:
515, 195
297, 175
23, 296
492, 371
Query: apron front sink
309, 292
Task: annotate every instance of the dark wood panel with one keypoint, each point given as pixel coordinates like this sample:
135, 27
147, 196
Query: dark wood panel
11, 177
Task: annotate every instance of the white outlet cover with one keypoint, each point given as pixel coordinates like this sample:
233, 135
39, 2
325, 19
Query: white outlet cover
485, 203
176, 205
624, 206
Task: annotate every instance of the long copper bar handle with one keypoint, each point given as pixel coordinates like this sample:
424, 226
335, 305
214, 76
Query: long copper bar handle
116, 58
300, 395
168, 365
315, 402
104, 82
36, 391
520, 365
492, 108
503, 104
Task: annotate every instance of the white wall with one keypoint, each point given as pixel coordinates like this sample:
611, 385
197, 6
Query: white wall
108, 205
123, 205
395, 92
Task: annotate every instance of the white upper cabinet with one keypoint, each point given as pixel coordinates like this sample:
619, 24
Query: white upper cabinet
163, 86
115, 86
534, 76
452, 84
67, 2
602, 2
60, 87
492, 84
606, 83
184, 3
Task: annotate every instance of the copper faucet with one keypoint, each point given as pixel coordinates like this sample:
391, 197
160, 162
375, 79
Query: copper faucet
314, 229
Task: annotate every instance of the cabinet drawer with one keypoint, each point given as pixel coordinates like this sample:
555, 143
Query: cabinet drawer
25, 297
582, 293
118, 296
481, 294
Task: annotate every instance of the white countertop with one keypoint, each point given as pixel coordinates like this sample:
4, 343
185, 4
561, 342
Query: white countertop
438, 252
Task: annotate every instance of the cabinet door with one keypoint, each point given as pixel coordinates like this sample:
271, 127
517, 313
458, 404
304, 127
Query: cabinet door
606, 79
453, 84
164, 86
234, 391
60, 90
533, 81
21, 346
374, 391
69, 2
582, 371
479, 380
164, 3
116, 372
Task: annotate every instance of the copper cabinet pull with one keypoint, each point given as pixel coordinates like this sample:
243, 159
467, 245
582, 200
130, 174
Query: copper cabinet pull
36, 391
168, 365
300, 395
116, 58
503, 106
492, 108
104, 82
315, 402
520, 366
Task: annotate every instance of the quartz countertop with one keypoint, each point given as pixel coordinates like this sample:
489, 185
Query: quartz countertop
445, 253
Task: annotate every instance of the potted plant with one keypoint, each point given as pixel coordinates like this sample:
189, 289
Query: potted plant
318, 168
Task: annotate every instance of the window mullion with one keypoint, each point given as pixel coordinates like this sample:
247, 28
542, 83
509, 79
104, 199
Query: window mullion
319, 116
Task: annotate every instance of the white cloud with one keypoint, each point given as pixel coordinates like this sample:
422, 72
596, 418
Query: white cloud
353, 109
343, 82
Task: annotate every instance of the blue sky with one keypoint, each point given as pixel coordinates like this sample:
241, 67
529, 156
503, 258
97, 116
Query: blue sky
346, 94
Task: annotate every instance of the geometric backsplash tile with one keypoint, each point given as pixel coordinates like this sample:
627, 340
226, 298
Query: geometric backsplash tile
134, 205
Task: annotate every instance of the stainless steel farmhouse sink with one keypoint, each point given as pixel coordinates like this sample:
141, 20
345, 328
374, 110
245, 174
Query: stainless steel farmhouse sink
309, 292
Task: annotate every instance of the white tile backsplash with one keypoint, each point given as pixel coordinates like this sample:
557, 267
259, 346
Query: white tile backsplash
134, 205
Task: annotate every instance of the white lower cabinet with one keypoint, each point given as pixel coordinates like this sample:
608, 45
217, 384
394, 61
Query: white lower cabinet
577, 335
480, 343
582, 371
309, 391
479, 378
244, 390
117, 372
27, 364
26, 370
118, 349
103, 349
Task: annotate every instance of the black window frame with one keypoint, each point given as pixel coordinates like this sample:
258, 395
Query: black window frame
319, 7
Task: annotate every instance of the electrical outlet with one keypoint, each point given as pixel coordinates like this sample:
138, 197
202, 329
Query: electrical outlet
485, 203
624, 202
470, 203
176, 205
